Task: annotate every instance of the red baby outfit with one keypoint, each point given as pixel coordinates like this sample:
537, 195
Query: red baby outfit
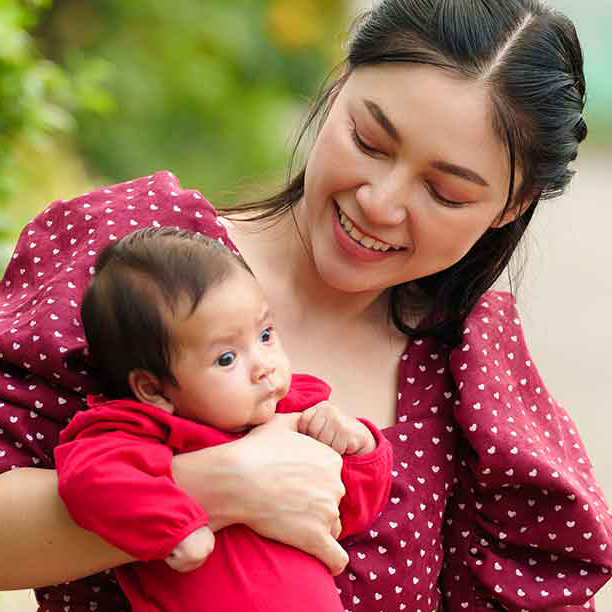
114, 466
493, 503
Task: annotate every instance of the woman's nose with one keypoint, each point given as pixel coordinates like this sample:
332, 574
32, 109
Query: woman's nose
384, 202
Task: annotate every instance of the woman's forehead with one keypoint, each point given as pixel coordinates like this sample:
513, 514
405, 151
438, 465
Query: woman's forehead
412, 93
431, 109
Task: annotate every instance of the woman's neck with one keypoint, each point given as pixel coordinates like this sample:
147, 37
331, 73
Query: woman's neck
280, 260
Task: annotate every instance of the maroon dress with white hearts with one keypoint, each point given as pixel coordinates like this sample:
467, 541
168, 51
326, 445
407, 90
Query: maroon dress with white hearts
493, 503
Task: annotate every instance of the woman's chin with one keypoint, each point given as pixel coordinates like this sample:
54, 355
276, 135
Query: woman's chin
339, 278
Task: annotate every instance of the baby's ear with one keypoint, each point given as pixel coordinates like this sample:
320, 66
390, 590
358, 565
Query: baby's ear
148, 389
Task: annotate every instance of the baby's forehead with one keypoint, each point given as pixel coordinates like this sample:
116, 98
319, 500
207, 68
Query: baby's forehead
227, 311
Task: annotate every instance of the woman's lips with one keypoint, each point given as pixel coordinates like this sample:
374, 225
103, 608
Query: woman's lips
361, 236
355, 250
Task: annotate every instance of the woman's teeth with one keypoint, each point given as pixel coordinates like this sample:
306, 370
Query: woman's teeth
357, 236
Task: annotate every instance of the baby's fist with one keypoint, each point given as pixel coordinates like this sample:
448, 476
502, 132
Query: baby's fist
328, 424
192, 551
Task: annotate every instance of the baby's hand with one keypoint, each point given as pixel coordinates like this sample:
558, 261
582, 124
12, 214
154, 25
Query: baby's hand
192, 551
326, 423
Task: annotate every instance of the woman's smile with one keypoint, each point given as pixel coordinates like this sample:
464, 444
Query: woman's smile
353, 241
365, 239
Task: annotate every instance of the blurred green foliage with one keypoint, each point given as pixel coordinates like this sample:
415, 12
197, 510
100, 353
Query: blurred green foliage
28, 88
38, 99
98, 91
211, 90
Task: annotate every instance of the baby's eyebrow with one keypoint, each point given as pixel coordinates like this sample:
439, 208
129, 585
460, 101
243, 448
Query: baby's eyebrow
267, 314
222, 339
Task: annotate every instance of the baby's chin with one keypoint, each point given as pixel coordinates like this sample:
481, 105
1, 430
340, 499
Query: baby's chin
266, 409
283, 390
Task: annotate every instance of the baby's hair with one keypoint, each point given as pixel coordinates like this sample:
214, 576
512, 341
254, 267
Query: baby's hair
138, 284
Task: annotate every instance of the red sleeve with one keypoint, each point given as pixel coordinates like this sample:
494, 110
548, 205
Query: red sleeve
367, 479
305, 391
528, 525
114, 475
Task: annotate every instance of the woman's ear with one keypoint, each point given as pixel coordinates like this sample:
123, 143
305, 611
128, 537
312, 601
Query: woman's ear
148, 389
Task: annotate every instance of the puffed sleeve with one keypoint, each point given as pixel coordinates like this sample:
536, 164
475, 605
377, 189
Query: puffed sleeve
44, 378
528, 526
43, 374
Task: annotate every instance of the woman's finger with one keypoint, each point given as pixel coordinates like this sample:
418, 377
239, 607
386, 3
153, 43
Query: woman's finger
336, 529
331, 553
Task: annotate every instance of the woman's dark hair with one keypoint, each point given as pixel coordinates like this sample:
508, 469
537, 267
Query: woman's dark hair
139, 281
529, 57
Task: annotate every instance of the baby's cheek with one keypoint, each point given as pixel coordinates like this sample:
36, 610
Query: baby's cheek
287, 380
286, 371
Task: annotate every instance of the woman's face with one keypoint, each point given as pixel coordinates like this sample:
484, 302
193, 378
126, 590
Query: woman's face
404, 177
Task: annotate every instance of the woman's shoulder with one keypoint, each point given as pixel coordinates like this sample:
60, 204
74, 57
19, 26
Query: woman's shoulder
494, 319
58, 248
156, 199
493, 339
495, 305
63, 241
41, 339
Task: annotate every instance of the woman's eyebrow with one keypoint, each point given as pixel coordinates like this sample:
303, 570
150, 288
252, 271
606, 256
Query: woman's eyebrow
461, 172
448, 168
382, 119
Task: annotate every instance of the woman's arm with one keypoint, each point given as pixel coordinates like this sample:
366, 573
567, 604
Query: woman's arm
41, 544
528, 524
283, 485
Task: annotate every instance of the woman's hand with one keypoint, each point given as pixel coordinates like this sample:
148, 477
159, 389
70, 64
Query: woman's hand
282, 484
295, 489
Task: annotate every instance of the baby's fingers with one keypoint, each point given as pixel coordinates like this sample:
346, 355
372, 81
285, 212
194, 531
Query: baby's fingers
305, 418
312, 423
340, 443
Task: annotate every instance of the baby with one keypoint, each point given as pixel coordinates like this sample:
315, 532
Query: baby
185, 343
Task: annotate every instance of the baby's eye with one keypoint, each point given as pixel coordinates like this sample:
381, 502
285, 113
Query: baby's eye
226, 359
266, 335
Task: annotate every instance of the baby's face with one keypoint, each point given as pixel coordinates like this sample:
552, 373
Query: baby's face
231, 368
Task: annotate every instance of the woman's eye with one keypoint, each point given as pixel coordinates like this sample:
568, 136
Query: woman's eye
361, 144
444, 201
226, 359
266, 335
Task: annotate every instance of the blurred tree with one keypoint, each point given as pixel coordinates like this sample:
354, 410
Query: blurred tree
37, 102
212, 90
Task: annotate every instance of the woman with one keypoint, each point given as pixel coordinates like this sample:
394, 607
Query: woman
450, 122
